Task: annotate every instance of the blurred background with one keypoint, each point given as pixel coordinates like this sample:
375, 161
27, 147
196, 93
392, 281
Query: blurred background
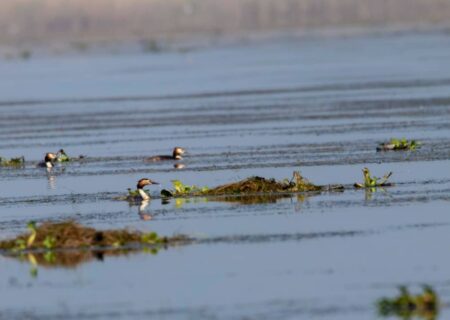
83, 22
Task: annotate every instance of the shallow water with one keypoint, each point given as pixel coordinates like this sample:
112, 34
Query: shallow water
267, 109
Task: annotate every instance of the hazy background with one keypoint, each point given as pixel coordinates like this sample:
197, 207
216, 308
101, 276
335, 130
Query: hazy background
52, 21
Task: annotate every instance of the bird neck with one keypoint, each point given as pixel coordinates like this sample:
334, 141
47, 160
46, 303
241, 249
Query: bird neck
143, 194
48, 164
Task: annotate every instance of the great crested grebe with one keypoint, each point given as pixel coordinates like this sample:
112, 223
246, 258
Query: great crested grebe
140, 188
176, 155
49, 160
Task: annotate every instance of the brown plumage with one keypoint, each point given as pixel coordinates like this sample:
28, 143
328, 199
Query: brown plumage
145, 182
176, 155
49, 160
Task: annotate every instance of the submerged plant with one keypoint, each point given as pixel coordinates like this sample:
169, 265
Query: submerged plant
372, 181
399, 144
405, 305
13, 162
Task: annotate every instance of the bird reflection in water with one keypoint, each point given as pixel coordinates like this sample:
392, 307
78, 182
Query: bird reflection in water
51, 179
142, 212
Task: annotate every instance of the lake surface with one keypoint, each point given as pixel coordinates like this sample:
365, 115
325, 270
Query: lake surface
266, 108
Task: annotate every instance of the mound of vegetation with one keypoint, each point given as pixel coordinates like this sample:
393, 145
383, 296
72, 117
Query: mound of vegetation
398, 144
71, 235
406, 306
249, 186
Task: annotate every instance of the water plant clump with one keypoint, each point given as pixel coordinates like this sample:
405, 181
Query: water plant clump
62, 156
405, 305
372, 181
181, 189
398, 144
263, 185
13, 162
132, 196
249, 186
71, 235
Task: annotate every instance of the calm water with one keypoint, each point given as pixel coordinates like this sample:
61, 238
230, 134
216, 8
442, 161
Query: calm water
265, 108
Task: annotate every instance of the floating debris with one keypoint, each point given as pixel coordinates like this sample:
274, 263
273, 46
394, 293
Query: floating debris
71, 235
406, 306
13, 162
372, 181
399, 144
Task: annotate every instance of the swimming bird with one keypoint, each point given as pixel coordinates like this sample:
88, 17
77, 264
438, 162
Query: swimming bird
49, 160
176, 155
140, 188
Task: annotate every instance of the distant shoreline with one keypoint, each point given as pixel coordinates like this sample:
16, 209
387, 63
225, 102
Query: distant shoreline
30, 22
25, 51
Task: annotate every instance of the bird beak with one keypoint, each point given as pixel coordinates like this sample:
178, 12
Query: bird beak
154, 182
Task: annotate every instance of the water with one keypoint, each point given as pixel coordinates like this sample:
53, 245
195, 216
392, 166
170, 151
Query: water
265, 108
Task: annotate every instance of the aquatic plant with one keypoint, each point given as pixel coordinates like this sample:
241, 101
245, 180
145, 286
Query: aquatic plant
62, 156
252, 185
372, 181
181, 189
399, 144
13, 162
132, 196
405, 305
70, 235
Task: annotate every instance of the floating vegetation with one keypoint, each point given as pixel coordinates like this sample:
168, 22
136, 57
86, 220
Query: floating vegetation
263, 185
407, 306
70, 235
68, 244
249, 186
372, 181
180, 189
13, 162
61, 156
133, 196
399, 144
